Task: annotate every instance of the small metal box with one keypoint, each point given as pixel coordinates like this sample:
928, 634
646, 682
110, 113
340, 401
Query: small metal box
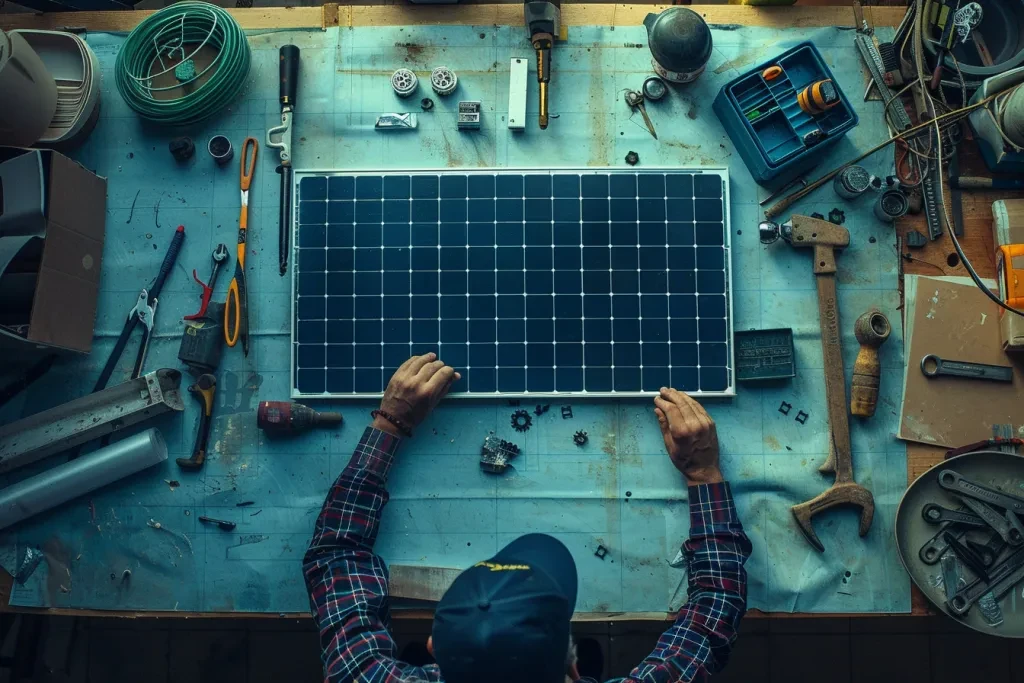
469, 115
764, 354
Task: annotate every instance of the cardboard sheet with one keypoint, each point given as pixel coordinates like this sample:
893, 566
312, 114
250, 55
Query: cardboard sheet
954, 320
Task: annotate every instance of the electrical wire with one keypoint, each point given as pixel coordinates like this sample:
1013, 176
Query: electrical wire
149, 52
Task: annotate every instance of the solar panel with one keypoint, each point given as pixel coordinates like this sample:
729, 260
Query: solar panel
596, 282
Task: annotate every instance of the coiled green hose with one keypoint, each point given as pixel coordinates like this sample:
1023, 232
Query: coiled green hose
173, 35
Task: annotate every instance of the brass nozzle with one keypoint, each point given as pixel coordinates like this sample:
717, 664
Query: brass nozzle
543, 46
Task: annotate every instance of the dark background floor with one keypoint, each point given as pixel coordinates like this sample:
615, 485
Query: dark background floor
267, 650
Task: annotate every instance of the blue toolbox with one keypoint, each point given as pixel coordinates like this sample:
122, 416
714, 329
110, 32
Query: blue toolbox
783, 114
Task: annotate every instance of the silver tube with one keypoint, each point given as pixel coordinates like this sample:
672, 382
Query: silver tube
87, 473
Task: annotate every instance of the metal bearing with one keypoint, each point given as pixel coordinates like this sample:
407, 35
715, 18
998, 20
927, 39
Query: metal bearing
404, 82
443, 80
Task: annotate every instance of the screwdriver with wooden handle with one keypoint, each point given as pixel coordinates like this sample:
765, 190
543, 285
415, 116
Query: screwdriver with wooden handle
871, 330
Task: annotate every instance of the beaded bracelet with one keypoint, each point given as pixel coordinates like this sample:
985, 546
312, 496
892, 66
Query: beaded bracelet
399, 425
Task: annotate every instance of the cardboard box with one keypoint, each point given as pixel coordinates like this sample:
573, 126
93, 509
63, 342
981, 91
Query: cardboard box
1007, 229
58, 236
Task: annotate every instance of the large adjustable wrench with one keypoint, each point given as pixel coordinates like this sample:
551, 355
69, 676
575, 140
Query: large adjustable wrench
826, 239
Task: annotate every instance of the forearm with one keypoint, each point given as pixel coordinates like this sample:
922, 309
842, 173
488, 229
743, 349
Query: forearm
699, 642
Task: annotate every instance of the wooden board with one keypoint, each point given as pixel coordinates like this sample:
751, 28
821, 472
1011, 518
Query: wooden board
573, 14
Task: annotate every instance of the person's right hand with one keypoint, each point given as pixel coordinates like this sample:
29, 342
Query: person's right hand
690, 436
415, 389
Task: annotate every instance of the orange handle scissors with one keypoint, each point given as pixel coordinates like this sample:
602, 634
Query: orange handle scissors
236, 312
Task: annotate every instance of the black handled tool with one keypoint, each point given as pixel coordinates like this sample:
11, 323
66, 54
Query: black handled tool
220, 255
203, 390
143, 311
222, 524
289, 63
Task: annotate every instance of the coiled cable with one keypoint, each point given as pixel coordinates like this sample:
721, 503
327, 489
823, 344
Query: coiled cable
166, 43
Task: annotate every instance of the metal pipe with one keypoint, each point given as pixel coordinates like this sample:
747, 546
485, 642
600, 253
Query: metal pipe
82, 475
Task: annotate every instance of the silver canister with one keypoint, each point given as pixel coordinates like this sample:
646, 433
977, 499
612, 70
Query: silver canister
852, 182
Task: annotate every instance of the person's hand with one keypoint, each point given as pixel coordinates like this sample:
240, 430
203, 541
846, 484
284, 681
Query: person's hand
690, 436
415, 388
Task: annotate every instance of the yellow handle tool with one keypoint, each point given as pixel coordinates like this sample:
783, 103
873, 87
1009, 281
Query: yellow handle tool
236, 312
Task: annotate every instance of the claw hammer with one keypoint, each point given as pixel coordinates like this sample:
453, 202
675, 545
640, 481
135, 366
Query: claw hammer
826, 239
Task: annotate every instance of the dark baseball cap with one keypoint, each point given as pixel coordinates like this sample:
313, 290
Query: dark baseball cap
506, 619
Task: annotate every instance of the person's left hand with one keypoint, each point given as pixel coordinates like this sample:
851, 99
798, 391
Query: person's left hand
414, 390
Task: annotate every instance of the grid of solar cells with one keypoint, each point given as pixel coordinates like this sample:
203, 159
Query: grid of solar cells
526, 282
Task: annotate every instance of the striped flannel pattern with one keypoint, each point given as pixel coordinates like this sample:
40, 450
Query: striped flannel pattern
348, 583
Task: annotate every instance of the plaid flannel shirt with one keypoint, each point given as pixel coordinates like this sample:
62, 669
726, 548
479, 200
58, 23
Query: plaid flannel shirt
348, 583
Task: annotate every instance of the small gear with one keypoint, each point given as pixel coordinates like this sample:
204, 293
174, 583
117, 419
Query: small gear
580, 438
521, 420
836, 216
632, 158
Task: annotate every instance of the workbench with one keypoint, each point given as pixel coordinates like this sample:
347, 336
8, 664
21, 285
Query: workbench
977, 241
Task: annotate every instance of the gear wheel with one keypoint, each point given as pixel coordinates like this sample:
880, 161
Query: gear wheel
580, 438
521, 420
837, 216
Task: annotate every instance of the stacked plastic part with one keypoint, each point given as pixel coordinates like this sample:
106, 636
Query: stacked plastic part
51, 82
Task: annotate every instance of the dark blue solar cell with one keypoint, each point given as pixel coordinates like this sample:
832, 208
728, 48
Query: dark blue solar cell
480, 234
422, 211
711, 328
654, 377
711, 281
711, 305
368, 236
653, 281
510, 331
654, 306
509, 186
481, 258
596, 307
567, 260
594, 185
313, 235
710, 234
395, 235
339, 187
565, 210
396, 258
394, 331
684, 378
569, 331
312, 212
339, 283
510, 353
453, 186
594, 210
453, 282
624, 234
713, 379
453, 307
679, 211
651, 209
368, 211
312, 260
423, 282
537, 210
652, 234
481, 331
540, 379
596, 281
565, 185
568, 378
652, 259
597, 330
654, 329
713, 353
537, 185
682, 330
339, 380
623, 258
595, 259
341, 235
626, 330
341, 212
339, 307
540, 355
596, 235
423, 234
480, 210
309, 308
481, 379
509, 258
393, 355
568, 306
597, 379
483, 306
539, 305
425, 332
681, 259
537, 234
311, 355
453, 332
626, 378
424, 187
655, 353
311, 332
622, 185
707, 185
622, 210
481, 186
424, 306
453, 210
598, 354
367, 284
396, 308
509, 281
508, 210
313, 188
625, 308
569, 355
483, 355
679, 185
480, 282
539, 282
511, 306
539, 258
681, 307
708, 210
396, 211
684, 353
369, 259
454, 354
395, 187
651, 185
365, 332
453, 258
369, 187
311, 381
710, 258
367, 380
511, 379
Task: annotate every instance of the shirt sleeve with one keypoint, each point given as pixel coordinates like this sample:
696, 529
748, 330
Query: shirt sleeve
347, 582
697, 645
